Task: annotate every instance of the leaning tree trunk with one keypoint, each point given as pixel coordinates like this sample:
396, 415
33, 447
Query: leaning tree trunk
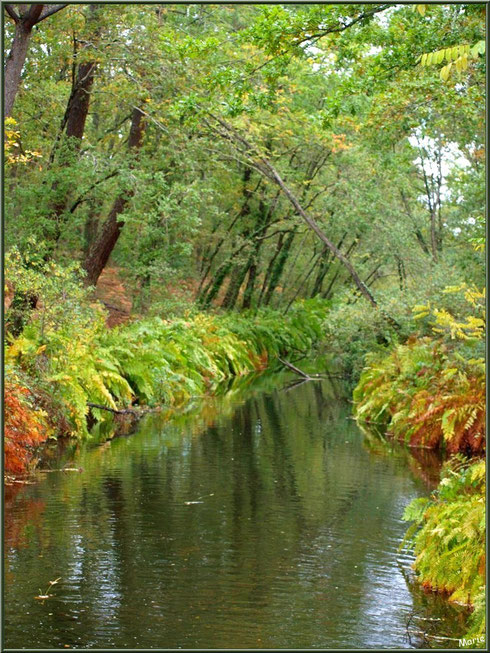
268, 170
208, 260
24, 17
270, 267
109, 234
278, 269
14, 65
75, 119
79, 101
17, 56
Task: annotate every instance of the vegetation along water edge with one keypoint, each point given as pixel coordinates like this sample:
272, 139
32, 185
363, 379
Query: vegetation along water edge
194, 193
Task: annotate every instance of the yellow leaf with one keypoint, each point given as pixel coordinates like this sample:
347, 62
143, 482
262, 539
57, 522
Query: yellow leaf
444, 74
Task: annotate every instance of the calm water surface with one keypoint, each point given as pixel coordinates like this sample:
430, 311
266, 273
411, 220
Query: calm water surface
265, 520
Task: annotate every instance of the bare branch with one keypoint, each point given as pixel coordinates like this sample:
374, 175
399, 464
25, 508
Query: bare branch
10, 10
269, 171
49, 10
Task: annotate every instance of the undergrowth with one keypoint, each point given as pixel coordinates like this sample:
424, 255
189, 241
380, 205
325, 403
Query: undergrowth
425, 394
71, 359
448, 536
430, 392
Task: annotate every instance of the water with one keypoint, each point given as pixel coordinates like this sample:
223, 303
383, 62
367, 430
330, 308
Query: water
263, 520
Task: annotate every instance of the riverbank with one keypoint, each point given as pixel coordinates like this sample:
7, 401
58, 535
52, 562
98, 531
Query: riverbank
430, 393
58, 378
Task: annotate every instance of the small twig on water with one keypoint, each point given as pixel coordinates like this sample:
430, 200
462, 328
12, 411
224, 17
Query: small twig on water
43, 597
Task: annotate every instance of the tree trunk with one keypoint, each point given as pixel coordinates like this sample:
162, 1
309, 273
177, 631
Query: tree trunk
270, 267
213, 287
244, 211
90, 230
327, 293
433, 236
109, 234
80, 100
24, 17
268, 170
261, 226
326, 261
233, 290
279, 267
314, 226
105, 243
250, 287
74, 121
15, 63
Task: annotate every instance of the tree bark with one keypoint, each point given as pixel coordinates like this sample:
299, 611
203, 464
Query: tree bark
15, 63
326, 261
102, 248
270, 267
73, 121
278, 269
250, 287
257, 238
79, 101
244, 211
234, 286
24, 17
326, 294
303, 282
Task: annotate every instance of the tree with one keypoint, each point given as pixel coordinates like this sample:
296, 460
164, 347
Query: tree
25, 18
107, 239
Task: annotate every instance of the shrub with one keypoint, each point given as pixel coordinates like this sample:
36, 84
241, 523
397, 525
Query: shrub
75, 360
448, 535
25, 428
427, 395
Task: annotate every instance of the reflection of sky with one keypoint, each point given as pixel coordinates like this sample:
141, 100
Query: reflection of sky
93, 579
107, 599
75, 569
385, 604
293, 543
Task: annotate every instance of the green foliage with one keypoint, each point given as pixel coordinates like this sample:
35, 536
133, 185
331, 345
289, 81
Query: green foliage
426, 395
431, 392
77, 361
354, 330
448, 536
325, 91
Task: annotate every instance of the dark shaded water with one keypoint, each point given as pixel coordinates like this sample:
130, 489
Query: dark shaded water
266, 521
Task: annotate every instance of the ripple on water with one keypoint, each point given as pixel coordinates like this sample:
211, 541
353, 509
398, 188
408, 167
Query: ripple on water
274, 528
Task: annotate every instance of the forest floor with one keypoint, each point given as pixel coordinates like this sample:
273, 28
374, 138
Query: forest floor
111, 291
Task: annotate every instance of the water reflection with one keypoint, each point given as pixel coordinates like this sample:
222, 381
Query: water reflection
262, 523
